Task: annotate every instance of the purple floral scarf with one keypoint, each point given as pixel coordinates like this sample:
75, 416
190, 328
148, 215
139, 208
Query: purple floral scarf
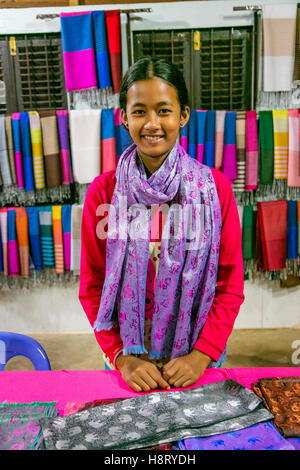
188, 263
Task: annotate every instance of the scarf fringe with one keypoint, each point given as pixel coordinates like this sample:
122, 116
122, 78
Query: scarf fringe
15, 196
81, 190
106, 326
93, 98
135, 350
293, 193
38, 279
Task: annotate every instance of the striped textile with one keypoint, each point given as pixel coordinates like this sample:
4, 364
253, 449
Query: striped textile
123, 139
281, 143
229, 152
294, 150
200, 123
209, 145
26, 152
76, 217
13, 256
192, 135
66, 228
183, 137
23, 240
16, 130
251, 151
46, 236
34, 237
4, 158
37, 150
239, 184
113, 28
58, 240
219, 138
63, 129
10, 148
101, 49
51, 148
108, 141
3, 228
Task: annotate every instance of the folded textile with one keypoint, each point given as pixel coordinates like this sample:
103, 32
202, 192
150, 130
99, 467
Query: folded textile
76, 217
200, 123
19, 427
193, 138
113, 28
13, 257
108, 141
294, 149
66, 228
26, 152
16, 130
271, 234
219, 138
63, 133
292, 229
10, 148
158, 418
281, 395
78, 50
239, 183
85, 132
4, 158
37, 150
51, 148
281, 143
23, 240
278, 48
4, 240
34, 237
266, 147
123, 139
102, 57
251, 151
209, 146
248, 232
261, 436
58, 240
46, 236
229, 151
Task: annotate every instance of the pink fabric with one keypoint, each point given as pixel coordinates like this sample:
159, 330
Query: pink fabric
67, 250
229, 161
219, 139
184, 142
3, 227
294, 150
108, 155
65, 386
65, 166
251, 151
200, 152
19, 170
80, 70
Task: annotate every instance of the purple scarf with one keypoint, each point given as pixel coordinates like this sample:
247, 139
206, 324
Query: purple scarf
188, 267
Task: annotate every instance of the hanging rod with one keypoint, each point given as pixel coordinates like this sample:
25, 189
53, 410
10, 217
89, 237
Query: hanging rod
248, 7
51, 16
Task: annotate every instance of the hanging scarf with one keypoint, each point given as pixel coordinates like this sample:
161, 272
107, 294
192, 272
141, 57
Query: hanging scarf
23, 240
37, 150
3, 227
266, 148
122, 136
63, 133
239, 183
292, 230
294, 150
66, 228
26, 152
4, 159
15, 122
46, 236
281, 143
102, 58
34, 237
58, 240
78, 50
193, 137
51, 148
183, 181
219, 139
76, 217
200, 123
248, 233
10, 148
113, 28
229, 151
251, 151
209, 147
108, 141
183, 137
13, 257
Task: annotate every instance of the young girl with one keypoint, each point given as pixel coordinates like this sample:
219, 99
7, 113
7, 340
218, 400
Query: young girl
161, 297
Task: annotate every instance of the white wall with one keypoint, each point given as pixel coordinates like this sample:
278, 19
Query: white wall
57, 309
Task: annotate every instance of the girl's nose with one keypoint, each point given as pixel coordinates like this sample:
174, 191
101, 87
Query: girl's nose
152, 121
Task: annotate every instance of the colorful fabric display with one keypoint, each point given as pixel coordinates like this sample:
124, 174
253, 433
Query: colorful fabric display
85, 132
34, 237
26, 152
51, 148
46, 236
200, 123
271, 234
219, 139
13, 257
226, 406
66, 228
294, 150
209, 146
266, 148
113, 28
4, 239
108, 141
15, 122
281, 143
58, 240
123, 139
248, 232
10, 148
102, 57
292, 229
251, 151
76, 217
78, 50
229, 151
4, 159
37, 150
239, 183
23, 240
278, 46
63, 128
192, 134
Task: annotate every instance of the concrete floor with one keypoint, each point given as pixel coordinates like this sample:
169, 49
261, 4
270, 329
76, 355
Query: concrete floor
246, 348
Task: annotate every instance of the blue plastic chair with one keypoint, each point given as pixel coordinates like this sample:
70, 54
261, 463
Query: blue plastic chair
15, 344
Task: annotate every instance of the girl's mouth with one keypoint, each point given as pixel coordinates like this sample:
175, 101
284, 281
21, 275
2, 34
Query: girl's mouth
152, 138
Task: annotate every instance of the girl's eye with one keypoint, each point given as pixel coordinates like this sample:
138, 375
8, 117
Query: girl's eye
164, 111
138, 111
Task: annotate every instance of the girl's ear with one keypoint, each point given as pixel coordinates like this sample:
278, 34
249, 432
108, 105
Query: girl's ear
184, 116
124, 118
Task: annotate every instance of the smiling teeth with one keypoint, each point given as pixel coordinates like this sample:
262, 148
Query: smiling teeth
156, 137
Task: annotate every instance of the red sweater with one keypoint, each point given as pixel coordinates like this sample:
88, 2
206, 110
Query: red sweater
230, 283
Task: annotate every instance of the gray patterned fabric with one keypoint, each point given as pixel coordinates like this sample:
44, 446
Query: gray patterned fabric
157, 418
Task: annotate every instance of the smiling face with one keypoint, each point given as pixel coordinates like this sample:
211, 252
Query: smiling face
153, 117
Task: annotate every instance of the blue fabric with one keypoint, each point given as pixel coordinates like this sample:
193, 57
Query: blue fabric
11, 225
1, 255
107, 124
66, 218
26, 152
209, 148
34, 237
102, 56
83, 38
292, 230
230, 128
192, 132
123, 139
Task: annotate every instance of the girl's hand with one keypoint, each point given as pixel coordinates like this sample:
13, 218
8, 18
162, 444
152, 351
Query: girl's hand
186, 370
140, 375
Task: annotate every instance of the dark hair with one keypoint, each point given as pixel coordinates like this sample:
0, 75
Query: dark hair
147, 68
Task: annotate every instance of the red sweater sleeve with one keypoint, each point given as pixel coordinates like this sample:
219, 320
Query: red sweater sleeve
230, 282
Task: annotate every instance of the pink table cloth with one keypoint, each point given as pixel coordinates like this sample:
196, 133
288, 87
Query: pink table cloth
68, 386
